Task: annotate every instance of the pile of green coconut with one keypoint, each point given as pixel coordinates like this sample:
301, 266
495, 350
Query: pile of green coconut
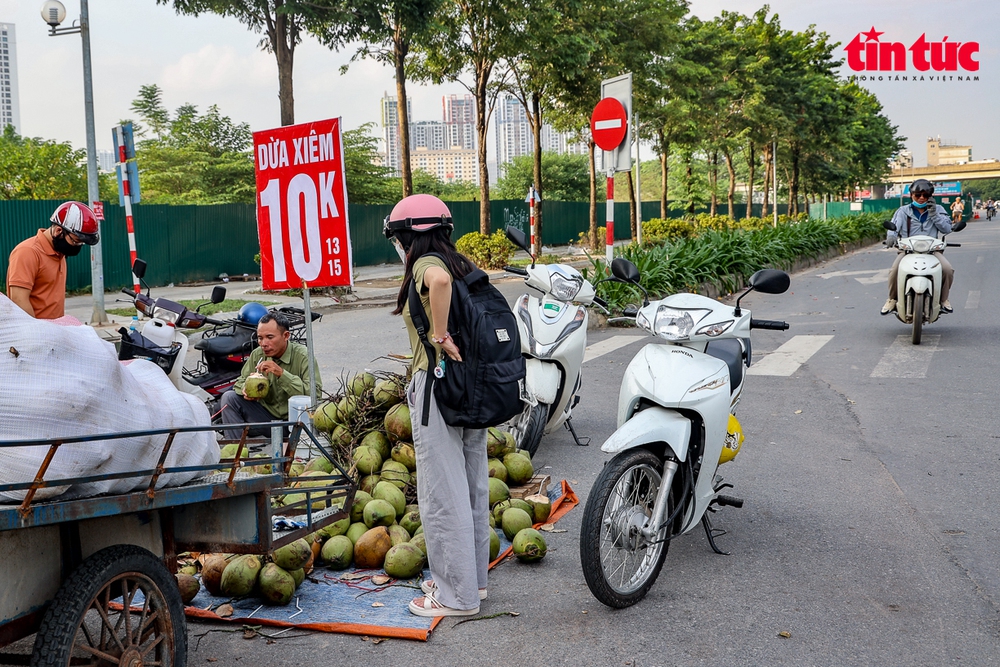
368, 427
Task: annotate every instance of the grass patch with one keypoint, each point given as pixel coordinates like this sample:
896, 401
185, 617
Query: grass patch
227, 306
547, 258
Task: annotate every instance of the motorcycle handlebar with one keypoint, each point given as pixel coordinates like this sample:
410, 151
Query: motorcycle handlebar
129, 292
954, 245
214, 322
516, 270
601, 302
775, 325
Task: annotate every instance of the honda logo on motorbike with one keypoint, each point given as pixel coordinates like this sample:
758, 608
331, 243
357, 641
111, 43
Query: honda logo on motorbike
874, 55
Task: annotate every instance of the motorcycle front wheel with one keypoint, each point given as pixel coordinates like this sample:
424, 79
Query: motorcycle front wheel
619, 563
918, 317
528, 427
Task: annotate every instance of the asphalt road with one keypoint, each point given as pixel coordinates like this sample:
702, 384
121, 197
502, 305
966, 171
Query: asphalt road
869, 470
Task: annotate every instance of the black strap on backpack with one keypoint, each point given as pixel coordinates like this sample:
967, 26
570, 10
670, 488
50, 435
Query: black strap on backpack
421, 324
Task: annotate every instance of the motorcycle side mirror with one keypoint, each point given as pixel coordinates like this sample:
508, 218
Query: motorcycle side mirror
887, 224
139, 268
770, 281
622, 269
517, 237
959, 226
630, 311
218, 294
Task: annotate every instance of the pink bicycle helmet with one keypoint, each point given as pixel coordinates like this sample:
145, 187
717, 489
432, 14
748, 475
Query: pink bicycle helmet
417, 213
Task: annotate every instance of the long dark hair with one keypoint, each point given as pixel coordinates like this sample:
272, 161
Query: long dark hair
418, 244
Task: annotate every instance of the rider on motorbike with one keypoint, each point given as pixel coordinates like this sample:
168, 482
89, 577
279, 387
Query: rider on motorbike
922, 217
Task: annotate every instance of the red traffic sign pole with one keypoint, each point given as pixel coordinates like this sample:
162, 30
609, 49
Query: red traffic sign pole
608, 126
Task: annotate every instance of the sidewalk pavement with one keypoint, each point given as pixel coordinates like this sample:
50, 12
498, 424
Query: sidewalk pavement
371, 286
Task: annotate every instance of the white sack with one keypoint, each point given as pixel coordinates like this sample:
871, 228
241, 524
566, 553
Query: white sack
59, 381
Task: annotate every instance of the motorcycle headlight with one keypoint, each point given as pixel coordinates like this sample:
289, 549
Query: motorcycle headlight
921, 245
674, 324
713, 330
168, 316
565, 288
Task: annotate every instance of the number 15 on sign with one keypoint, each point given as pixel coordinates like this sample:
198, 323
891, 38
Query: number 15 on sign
302, 206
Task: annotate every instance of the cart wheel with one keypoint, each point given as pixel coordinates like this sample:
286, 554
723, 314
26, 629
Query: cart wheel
82, 625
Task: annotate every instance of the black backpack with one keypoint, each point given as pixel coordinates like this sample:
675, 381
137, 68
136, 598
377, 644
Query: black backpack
484, 389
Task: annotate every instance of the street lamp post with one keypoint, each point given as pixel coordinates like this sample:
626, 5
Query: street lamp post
53, 13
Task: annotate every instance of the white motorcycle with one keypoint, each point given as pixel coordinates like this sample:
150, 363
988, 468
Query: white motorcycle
918, 281
553, 331
676, 426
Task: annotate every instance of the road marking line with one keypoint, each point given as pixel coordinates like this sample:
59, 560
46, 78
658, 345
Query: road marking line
905, 360
786, 359
973, 300
602, 347
880, 277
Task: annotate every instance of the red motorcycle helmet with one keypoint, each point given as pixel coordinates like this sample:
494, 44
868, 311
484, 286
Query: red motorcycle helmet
79, 220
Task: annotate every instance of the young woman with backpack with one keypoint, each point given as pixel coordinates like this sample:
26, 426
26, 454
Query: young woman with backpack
452, 472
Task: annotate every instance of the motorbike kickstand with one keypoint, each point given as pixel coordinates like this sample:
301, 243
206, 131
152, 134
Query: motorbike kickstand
581, 442
711, 534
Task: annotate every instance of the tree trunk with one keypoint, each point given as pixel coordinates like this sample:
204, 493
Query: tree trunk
731, 193
751, 163
283, 43
766, 155
536, 104
793, 184
591, 149
664, 170
714, 179
482, 81
405, 172
689, 183
633, 223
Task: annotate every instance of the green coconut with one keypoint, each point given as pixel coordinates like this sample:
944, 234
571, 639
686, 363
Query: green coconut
338, 552
369, 482
404, 561
324, 417
379, 513
495, 443
498, 491
341, 436
336, 528
494, 545
510, 444
493, 521
296, 469
395, 473
356, 530
276, 586
519, 468
497, 469
522, 504
410, 521
412, 507
256, 385
229, 451
264, 469
387, 393
361, 498
541, 507
320, 464
299, 575
240, 576
371, 548
529, 545
514, 521
378, 441
346, 409
361, 383
292, 556
420, 530
387, 491
403, 452
188, 569
188, 586
367, 460
397, 423
420, 542
499, 509
398, 534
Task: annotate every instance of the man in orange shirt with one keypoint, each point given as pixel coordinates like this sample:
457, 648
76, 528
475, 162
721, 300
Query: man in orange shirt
36, 274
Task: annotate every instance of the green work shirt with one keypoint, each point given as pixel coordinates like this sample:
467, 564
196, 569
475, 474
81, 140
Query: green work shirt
419, 362
293, 382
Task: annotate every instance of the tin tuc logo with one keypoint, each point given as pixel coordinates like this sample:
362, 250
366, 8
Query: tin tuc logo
872, 55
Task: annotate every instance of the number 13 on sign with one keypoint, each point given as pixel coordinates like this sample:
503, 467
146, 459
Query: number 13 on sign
302, 206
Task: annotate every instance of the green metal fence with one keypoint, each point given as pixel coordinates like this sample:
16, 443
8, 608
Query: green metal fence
190, 243
888, 206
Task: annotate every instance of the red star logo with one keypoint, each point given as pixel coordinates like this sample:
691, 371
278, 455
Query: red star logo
872, 35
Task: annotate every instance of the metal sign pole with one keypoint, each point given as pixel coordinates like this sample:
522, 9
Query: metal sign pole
774, 173
638, 177
309, 345
610, 219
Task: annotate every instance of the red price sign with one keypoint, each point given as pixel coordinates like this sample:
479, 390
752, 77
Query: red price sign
302, 206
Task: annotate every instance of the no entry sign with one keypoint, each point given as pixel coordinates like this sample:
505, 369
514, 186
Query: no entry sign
609, 124
302, 206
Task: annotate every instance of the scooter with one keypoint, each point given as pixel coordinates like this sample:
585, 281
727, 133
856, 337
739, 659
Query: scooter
918, 281
553, 332
676, 426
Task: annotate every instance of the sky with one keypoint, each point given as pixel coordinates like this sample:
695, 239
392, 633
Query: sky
212, 60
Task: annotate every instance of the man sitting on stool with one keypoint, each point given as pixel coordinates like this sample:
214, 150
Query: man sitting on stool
286, 366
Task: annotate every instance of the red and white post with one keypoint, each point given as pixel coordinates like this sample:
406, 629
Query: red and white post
610, 219
531, 216
127, 198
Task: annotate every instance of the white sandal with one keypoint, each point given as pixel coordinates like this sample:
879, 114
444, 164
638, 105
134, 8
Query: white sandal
431, 588
432, 608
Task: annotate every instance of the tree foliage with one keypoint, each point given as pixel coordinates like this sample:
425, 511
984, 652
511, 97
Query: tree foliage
567, 177
35, 168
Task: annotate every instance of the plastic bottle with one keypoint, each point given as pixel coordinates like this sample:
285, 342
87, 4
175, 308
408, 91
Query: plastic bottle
134, 326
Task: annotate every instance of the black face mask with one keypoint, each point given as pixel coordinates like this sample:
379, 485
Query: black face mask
64, 247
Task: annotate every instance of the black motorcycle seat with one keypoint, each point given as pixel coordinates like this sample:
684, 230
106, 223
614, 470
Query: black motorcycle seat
730, 351
225, 344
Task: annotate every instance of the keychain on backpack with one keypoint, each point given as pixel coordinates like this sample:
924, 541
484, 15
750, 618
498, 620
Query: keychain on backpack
439, 370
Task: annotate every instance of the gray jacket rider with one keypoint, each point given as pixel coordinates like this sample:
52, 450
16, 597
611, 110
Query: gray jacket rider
912, 221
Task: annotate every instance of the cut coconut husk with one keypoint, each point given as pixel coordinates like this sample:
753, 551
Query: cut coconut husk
541, 506
256, 385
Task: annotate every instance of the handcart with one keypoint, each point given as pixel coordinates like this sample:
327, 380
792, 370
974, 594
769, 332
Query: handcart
93, 578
